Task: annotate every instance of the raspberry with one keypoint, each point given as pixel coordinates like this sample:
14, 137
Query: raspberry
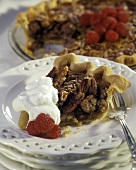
109, 11
44, 126
111, 36
44, 123
95, 18
85, 19
100, 29
43, 135
31, 129
118, 9
54, 133
92, 37
122, 29
110, 22
123, 16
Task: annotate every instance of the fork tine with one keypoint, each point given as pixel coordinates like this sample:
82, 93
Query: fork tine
115, 101
122, 102
118, 102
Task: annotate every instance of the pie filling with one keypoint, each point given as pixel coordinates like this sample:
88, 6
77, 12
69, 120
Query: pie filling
82, 98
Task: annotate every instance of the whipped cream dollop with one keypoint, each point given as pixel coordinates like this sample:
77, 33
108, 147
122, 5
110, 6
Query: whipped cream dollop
39, 97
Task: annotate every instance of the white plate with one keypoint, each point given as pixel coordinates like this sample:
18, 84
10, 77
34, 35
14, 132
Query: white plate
115, 156
120, 161
84, 140
34, 160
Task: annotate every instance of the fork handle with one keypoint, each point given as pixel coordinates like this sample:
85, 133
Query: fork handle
130, 139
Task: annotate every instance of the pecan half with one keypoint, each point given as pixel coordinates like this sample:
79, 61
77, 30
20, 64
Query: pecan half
35, 27
85, 85
73, 102
93, 87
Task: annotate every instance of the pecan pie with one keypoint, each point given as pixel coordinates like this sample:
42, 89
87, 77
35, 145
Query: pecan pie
104, 29
84, 90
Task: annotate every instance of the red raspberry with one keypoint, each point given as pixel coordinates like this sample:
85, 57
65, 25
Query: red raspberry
109, 11
43, 135
118, 9
44, 123
54, 133
31, 129
111, 36
122, 29
123, 16
110, 22
95, 18
85, 19
92, 37
100, 29
44, 126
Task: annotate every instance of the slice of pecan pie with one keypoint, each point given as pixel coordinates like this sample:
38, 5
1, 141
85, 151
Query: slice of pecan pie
83, 93
104, 29
84, 90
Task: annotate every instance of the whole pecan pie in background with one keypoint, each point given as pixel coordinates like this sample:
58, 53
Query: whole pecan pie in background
104, 29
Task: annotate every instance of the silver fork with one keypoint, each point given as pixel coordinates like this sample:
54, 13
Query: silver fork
118, 105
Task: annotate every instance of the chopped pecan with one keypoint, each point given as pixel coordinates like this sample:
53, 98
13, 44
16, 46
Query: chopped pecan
89, 104
77, 77
70, 86
60, 77
68, 29
63, 96
102, 92
35, 27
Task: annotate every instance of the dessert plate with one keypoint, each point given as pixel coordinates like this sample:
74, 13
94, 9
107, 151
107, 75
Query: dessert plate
120, 160
35, 160
84, 140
